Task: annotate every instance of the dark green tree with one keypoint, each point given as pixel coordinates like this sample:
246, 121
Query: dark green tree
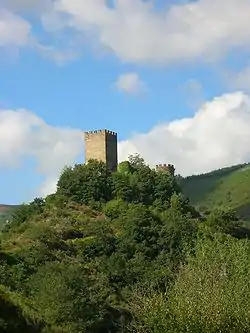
86, 183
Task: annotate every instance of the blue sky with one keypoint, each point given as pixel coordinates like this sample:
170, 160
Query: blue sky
175, 88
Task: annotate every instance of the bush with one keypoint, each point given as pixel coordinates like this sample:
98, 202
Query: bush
211, 293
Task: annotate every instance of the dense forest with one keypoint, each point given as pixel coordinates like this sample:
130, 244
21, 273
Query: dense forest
123, 252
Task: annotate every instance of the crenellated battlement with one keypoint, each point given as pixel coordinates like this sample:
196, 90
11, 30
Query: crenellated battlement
158, 166
166, 168
164, 165
102, 132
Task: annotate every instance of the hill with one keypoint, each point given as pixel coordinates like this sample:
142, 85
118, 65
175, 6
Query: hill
224, 187
122, 252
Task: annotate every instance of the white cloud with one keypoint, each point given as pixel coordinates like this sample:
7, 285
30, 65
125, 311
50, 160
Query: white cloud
217, 135
136, 32
59, 56
23, 134
130, 83
14, 31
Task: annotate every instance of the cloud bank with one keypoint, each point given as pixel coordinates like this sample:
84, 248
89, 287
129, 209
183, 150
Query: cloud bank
23, 134
217, 135
135, 31
14, 31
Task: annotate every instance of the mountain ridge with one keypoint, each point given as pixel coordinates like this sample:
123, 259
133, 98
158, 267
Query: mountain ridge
4, 207
228, 186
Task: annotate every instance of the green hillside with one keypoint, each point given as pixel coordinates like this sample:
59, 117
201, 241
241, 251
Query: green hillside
6, 212
122, 252
228, 187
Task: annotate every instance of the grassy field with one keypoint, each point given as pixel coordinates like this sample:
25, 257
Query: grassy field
228, 187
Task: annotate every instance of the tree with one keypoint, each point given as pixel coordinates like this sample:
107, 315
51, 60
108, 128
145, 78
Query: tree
211, 292
86, 183
134, 181
69, 296
136, 162
122, 186
165, 187
223, 220
124, 167
24, 212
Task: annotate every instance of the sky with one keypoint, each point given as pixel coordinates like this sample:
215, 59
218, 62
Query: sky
171, 77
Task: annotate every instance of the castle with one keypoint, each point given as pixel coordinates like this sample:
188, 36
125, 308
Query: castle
165, 168
101, 145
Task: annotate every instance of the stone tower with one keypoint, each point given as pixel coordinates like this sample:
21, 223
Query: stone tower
165, 168
102, 145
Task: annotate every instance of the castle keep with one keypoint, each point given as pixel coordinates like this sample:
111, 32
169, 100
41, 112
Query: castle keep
101, 145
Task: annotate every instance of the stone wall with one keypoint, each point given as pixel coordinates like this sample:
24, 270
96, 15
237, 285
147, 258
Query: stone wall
165, 168
102, 145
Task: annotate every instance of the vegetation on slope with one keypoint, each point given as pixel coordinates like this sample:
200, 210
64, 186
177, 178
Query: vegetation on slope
122, 252
6, 212
226, 187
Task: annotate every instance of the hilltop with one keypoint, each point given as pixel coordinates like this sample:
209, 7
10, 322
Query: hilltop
224, 187
228, 187
122, 252
5, 209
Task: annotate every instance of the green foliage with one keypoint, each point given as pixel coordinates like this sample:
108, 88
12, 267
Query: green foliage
16, 316
24, 212
134, 182
211, 293
165, 186
6, 212
226, 187
124, 167
223, 220
124, 188
122, 252
86, 183
68, 296
114, 208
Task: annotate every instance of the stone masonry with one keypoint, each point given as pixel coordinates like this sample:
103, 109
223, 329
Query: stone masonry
101, 145
165, 168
